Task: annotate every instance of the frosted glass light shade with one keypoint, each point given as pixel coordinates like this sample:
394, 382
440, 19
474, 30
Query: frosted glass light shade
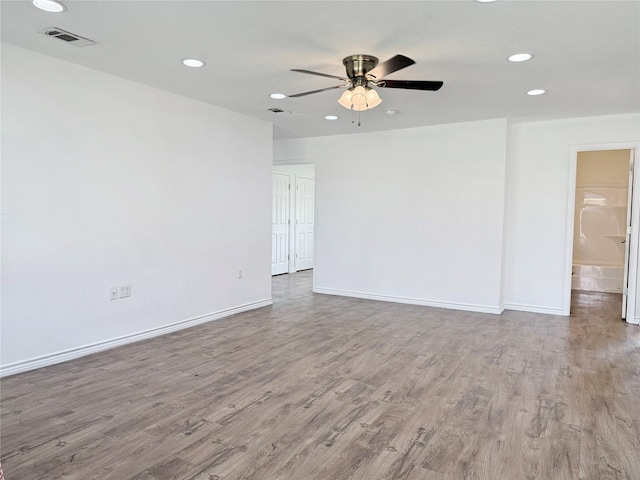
373, 99
345, 99
359, 99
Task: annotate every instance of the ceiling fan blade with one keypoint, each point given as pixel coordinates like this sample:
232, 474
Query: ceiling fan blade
392, 65
411, 84
315, 91
319, 74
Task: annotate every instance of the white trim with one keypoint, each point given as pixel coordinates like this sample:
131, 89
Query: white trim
566, 300
293, 215
497, 310
73, 353
292, 162
520, 307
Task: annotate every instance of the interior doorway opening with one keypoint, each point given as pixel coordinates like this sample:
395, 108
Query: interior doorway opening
603, 261
293, 219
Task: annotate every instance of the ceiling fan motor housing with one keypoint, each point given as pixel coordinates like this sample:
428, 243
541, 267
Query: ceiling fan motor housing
359, 65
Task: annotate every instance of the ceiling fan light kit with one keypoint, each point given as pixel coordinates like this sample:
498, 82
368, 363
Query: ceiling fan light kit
360, 98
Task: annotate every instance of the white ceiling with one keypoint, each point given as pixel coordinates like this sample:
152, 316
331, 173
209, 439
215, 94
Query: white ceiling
587, 55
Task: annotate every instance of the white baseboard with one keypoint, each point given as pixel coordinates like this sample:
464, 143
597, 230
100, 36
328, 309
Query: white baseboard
469, 307
534, 309
73, 353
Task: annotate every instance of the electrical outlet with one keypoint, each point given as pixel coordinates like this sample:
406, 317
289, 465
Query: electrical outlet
113, 291
240, 273
125, 291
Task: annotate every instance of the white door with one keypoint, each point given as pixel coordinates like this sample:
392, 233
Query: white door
304, 223
627, 252
280, 224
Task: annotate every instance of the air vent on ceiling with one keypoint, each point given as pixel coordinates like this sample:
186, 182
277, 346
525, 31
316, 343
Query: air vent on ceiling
278, 110
70, 38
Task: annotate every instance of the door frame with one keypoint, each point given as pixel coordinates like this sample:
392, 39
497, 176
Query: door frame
631, 201
635, 219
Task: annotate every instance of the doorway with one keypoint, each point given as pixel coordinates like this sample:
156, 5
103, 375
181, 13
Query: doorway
293, 219
603, 260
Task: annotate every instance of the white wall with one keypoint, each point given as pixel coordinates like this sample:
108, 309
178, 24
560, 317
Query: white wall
539, 193
107, 182
411, 215
414, 214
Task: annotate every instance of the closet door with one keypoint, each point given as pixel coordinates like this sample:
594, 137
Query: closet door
280, 224
304, 223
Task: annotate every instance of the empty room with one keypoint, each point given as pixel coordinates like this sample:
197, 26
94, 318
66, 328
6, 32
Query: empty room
320, 240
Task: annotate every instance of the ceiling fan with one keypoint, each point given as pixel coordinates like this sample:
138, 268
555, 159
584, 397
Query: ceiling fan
363, 71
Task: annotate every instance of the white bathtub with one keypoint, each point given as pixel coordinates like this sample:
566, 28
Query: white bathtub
597, 278
598, 238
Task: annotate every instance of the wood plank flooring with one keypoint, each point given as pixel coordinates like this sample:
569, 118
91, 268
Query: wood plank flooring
331, 388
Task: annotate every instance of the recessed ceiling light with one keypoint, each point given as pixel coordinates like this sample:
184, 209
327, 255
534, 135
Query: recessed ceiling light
50, 6
537, 91
331, 117
486, 1
193, 62
278, 96
520, 57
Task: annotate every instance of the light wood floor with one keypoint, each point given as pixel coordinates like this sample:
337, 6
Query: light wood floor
324, 387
